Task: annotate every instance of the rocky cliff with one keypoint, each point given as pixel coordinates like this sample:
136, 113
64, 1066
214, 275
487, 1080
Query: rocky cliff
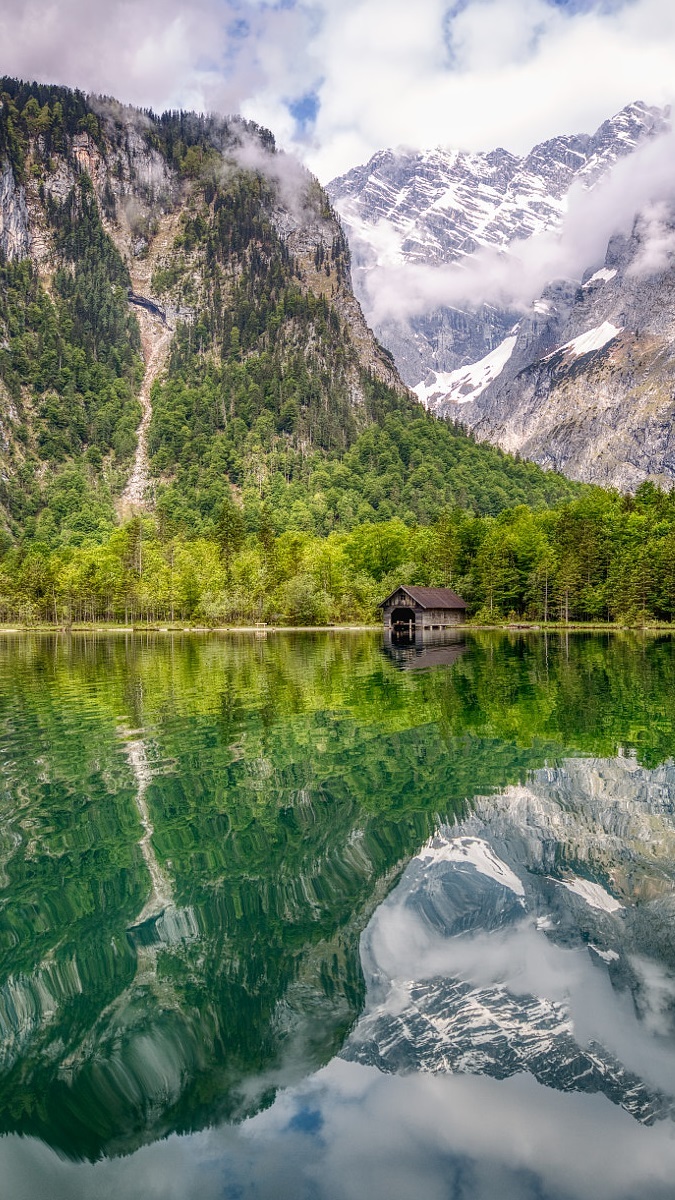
584, 383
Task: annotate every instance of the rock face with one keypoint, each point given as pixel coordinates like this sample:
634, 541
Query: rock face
515, 938
143, 202
585, 382
440, 206
14, 235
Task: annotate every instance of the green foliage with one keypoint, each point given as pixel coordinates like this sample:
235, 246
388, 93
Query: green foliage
295, 486
69, 362
42, 119
188, 140
260, 391
600, 557
260, 387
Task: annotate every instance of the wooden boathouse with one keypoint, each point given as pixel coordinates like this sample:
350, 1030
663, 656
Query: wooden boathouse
410, 609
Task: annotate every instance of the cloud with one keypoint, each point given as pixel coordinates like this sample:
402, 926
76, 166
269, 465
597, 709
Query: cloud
290, 178
382, 1136
478, 74
208, 55
338, 81
658, 240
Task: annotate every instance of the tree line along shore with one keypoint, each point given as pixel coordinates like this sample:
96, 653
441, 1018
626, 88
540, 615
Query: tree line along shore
598, 559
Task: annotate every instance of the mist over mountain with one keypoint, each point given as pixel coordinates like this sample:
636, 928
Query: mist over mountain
407, 214
550, 267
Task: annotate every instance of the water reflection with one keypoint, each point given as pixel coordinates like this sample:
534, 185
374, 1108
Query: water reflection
194, 836
421, 649
495, 957
352, 1131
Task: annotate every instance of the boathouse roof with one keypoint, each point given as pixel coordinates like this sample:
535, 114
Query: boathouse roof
429, 597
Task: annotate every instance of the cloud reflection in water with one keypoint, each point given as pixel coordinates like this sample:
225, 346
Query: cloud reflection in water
385, 1137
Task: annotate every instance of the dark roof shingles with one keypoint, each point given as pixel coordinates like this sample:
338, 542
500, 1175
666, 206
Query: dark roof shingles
430, 597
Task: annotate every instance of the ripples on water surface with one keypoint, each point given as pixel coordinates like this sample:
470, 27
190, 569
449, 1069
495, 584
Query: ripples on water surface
284, 917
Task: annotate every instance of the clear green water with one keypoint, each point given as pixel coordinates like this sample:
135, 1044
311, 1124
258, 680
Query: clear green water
195, 834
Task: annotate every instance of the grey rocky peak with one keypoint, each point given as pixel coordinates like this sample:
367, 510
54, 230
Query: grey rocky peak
439, 206
445, 202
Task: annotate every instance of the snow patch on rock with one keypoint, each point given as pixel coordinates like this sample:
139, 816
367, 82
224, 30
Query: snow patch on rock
586, 343
466, 383
602, 276
593, 893
475, 852
607, 956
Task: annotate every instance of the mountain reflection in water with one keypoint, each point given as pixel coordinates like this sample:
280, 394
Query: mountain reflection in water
194, 836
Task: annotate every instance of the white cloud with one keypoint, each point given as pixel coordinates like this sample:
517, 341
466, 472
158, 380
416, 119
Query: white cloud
385, 72
381, 1135
658, 240
140, 54
291, 179
210, 54
510, 72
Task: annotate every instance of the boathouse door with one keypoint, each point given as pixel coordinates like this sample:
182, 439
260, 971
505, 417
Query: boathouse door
403, 623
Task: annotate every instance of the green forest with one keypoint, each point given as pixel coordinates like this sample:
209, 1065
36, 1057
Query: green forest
277, 496
601, 557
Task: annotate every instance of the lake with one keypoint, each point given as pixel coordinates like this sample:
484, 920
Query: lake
304, 915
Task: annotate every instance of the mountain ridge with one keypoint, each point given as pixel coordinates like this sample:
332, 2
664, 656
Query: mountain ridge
440, 206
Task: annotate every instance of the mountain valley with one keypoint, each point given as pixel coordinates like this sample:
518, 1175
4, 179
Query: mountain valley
197, 423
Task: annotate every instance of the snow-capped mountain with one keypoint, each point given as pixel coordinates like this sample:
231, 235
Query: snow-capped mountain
440, 206
536, 936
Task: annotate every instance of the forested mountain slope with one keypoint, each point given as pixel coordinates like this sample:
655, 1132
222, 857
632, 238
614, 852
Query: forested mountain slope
197, 423
270, 375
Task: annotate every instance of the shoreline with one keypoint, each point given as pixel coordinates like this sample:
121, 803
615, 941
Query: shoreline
263, 630
100, 627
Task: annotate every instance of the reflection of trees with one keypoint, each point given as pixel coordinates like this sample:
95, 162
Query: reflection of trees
282, 784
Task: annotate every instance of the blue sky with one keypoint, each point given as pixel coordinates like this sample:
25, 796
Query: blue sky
337, 80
